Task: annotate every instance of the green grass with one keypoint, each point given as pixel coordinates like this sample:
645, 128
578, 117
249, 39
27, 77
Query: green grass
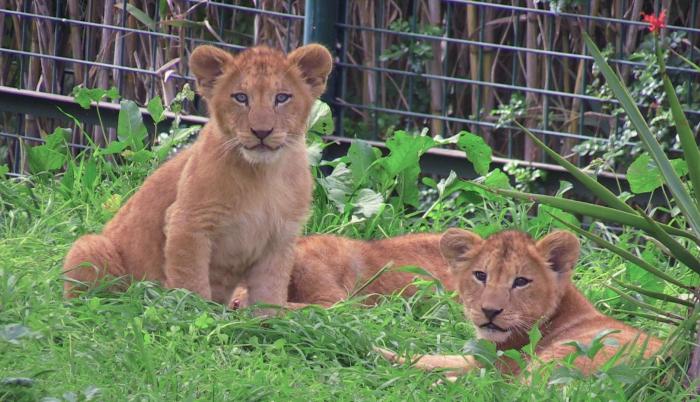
166, 345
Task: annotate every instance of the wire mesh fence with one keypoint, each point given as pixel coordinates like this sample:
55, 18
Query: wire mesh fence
400, 64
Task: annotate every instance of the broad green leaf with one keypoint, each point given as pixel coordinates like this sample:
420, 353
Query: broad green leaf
481, 349
360, 156
85, 96
156, 109
140, 156
368, 203
321, 119
685, 203
4, 169
477, 151
338, 185
563, 375
403, 162
497, 179
314, 152
90, 176
130, 127
44, 159
68, 180
623, 374
82, 96
114, 147
112, 93
644, 176
58, 139
405, 151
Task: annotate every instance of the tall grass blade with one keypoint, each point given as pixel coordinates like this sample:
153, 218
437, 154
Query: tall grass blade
654, 295
592, 184
643, 305
686, 204
676, 249
691, 153
592, 210
628, 256
371, 280
648, 316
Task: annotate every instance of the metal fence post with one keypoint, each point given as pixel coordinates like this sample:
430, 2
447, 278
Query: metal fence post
320, 17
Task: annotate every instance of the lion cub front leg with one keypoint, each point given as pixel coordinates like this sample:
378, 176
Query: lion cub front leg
187, 258
268, 279
455, 365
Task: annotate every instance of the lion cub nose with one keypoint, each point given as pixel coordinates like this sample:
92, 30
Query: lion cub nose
491, 313
261, 134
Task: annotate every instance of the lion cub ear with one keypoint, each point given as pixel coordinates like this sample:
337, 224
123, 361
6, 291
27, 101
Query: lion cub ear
207, 64
315, 63
456, 243
560, 249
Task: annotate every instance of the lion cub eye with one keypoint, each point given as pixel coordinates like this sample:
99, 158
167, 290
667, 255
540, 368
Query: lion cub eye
281, 98
240, 97
480, 276
520, 282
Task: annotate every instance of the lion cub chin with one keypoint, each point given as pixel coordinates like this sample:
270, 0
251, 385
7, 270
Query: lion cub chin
229, 207
328, 269
508, 283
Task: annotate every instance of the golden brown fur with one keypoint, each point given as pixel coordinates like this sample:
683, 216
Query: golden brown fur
229, 207
504, 308
327, 269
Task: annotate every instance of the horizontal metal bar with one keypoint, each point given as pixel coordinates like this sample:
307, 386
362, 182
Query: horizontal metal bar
58, 106
113, 28
36, 139
251, 10
504, 47
568, 15
440, 162
467, 81
453, 153
341, 103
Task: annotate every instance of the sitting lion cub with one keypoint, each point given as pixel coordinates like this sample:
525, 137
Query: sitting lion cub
509, 282
229, 207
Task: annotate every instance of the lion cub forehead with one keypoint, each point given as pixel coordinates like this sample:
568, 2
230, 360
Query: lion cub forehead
262, 60
509, 251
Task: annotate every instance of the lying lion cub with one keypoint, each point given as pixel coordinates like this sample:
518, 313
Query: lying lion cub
327, 269
509, 282
229, 207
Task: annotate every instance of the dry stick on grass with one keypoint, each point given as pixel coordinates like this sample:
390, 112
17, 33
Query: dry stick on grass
76, 42
434, 67
365, 15
532, 80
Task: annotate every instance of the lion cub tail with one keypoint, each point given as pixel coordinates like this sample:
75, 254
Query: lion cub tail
91, 258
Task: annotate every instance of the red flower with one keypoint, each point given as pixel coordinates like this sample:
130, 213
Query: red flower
655, 23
